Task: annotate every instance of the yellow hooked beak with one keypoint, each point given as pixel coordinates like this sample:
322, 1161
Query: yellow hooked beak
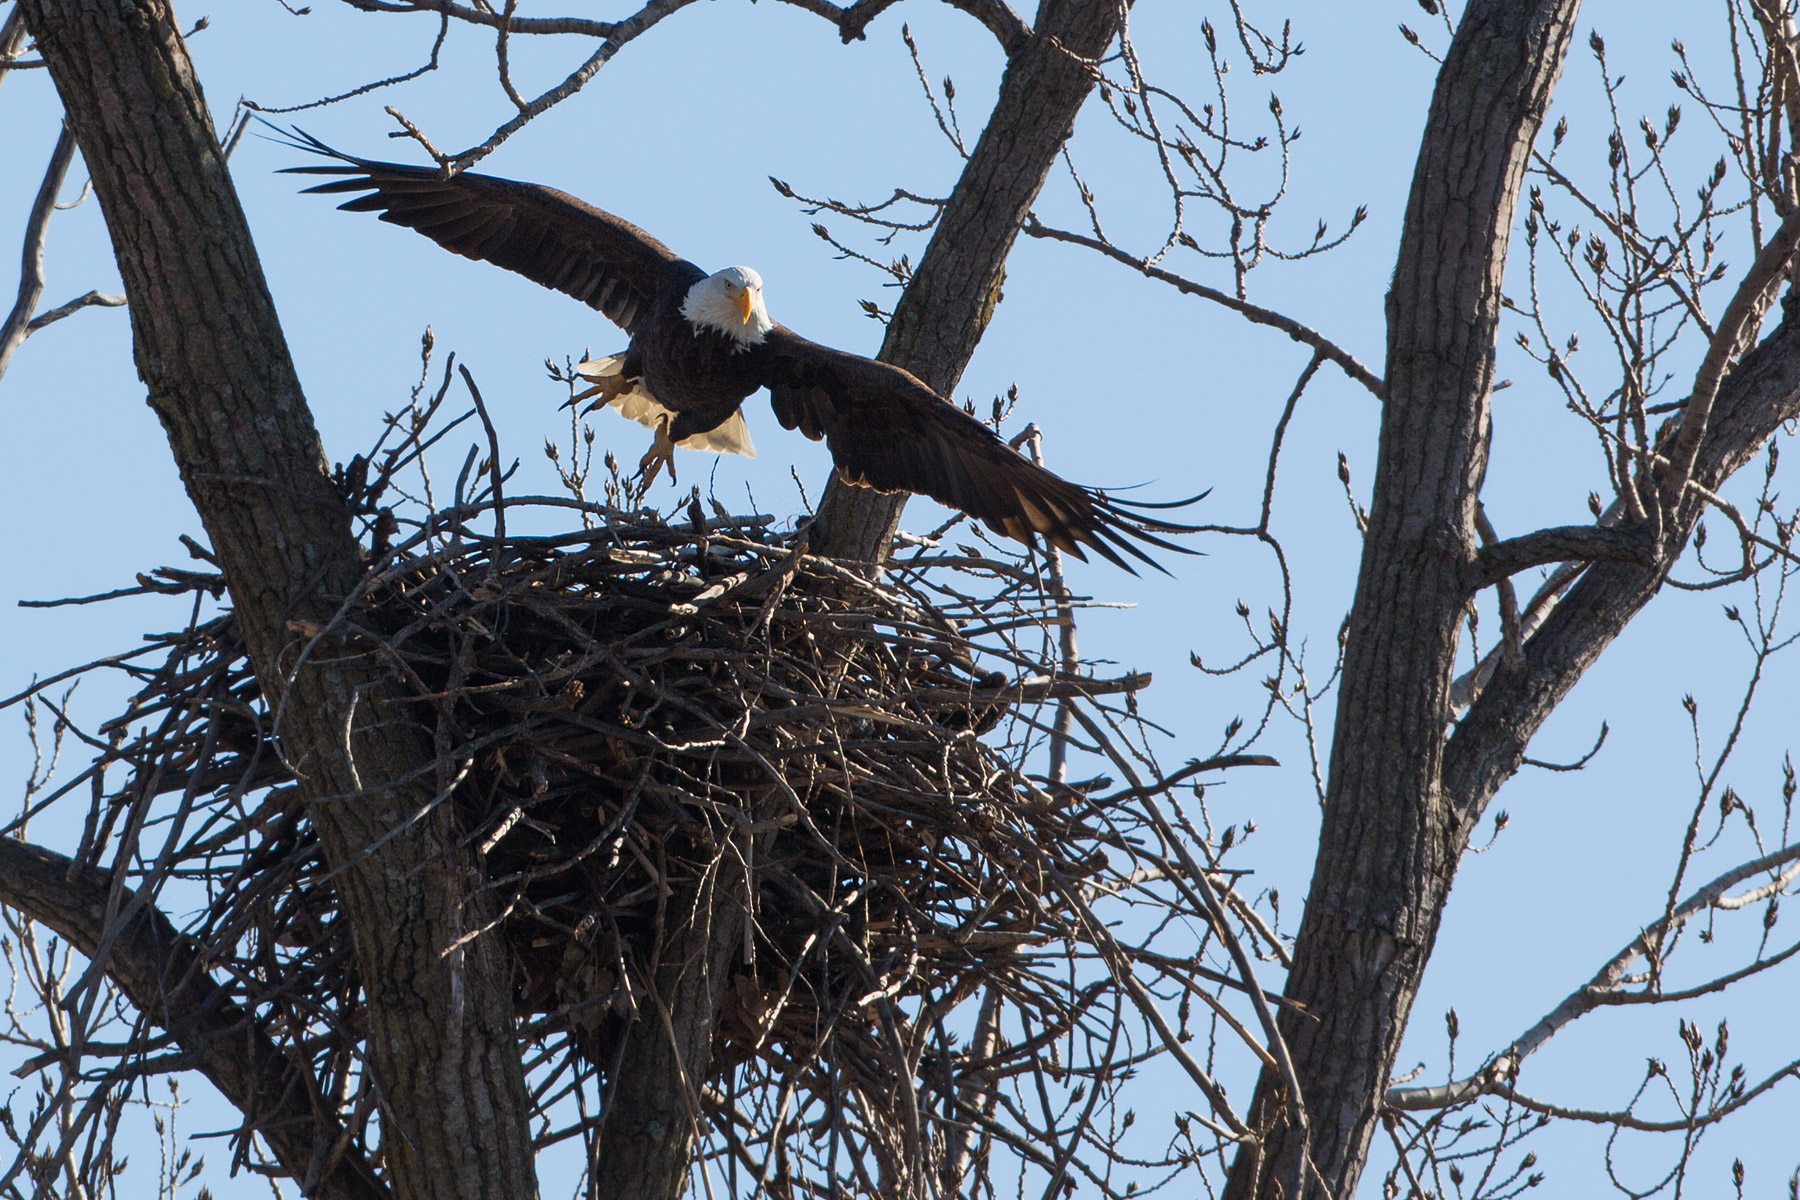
746, 302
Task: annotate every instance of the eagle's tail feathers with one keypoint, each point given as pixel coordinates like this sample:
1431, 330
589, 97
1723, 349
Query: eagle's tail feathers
730, 436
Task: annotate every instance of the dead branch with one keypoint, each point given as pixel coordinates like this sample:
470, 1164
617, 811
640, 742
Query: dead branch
483, 15
1562, 544
1603, 989
18, 324
1255, 313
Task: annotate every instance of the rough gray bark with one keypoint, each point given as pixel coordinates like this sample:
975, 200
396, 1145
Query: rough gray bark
211, 351
1564, 543
945, 309
1387, 850
646, 1149
163, 974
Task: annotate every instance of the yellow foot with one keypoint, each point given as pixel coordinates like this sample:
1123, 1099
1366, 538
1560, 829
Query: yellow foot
604, 392
661, 451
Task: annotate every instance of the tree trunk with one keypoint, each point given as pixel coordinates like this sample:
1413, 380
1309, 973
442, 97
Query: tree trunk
211, 351
946, 308
646, 1150
1387, 847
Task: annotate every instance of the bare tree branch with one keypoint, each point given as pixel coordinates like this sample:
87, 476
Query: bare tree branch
851, 20
1739, 321
1255, 313
1627, 1120
1000, 19
1760, 394
162, 972
12, 37
1561, 544
1512, 637
430, 64
1603, 989
85, 300
18, 325
618, 35
493, 20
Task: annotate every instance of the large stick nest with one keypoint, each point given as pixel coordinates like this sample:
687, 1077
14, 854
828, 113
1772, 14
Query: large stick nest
648, 719
661, 703
623, 713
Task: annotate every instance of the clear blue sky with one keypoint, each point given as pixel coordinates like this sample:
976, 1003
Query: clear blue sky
1131, 382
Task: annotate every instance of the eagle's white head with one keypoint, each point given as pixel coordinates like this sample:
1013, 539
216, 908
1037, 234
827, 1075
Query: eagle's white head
729, 302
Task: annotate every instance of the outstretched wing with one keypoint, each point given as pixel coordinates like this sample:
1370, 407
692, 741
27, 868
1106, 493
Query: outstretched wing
545, 235
887, 430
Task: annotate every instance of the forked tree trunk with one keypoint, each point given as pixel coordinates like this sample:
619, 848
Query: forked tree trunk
1389, 844
211, 352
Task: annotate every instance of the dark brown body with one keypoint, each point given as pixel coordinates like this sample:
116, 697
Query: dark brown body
701, 374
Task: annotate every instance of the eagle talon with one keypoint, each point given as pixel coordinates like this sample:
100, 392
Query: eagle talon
661, 451
607, 390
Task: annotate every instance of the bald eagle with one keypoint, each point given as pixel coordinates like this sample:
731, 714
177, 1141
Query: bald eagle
702, 343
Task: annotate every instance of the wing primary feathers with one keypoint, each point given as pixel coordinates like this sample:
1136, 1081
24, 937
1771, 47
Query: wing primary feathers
885, 428
1126, 529
1161, 504
547, 236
